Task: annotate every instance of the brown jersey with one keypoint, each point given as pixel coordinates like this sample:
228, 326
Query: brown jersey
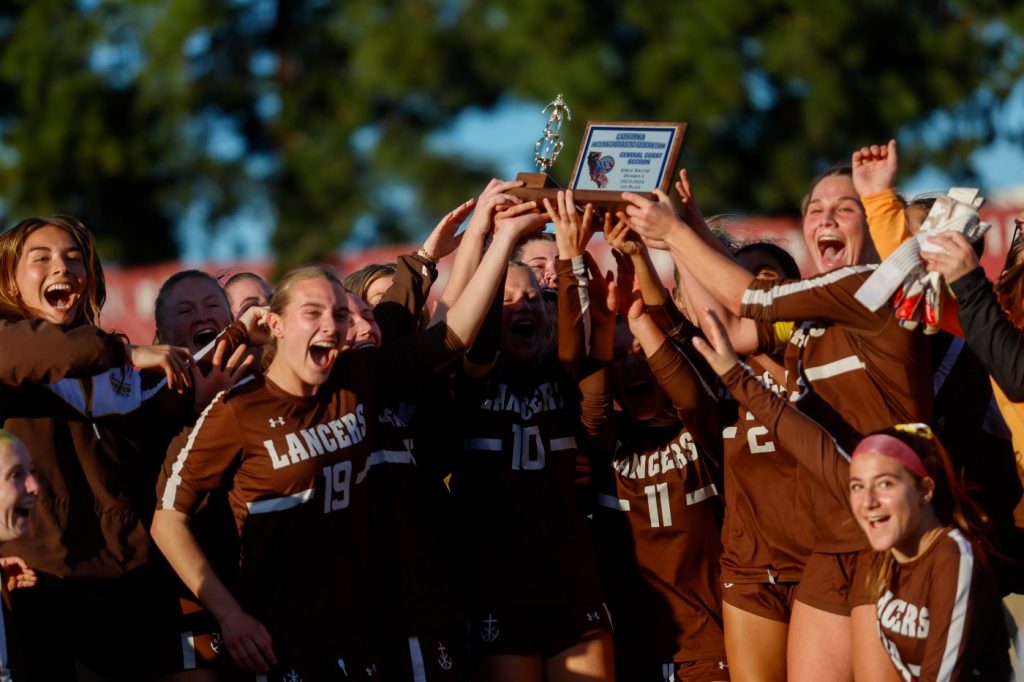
939, 617
657, 524
296, 467
853, 370
767, 532
818, 454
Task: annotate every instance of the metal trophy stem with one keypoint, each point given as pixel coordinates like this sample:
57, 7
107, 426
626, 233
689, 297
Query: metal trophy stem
549, 144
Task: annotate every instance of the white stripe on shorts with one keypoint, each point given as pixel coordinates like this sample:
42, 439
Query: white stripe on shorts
188, 651
419, 667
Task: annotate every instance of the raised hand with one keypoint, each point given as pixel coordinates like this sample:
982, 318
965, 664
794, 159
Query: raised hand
874, 168
572, 231
255, 321
654, 220
173, 361
224, 373
16, 573
954, 259
621, 237
604, 293
691, 212
717, 349
494, 195
442, 240
518, 221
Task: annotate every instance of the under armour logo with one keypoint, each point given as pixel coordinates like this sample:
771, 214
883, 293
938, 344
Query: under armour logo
444, 660
292, 676
371, 670
722, 665
593, 616
490, 631
276, 421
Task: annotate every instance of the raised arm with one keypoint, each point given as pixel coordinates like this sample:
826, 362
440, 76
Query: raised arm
718, 282
471, 248
511, 224
874, 177
812, 447
998, 342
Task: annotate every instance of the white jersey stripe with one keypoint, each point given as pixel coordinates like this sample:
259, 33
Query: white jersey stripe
701, 494
851, 363
955, 636
567, 443
767, 298
385, 457
273, 504
610, 502
579, 270
488, 444
174, 480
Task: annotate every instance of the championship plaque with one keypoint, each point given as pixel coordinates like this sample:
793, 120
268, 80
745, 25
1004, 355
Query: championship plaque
615, 157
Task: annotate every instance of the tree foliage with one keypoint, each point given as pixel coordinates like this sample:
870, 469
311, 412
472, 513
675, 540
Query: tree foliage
136, 114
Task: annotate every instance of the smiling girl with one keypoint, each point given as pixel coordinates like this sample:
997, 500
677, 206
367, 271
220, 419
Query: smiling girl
293, 447
939, 616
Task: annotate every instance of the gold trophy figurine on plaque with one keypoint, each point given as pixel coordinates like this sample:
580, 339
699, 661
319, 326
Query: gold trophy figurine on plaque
549, 145
615, 157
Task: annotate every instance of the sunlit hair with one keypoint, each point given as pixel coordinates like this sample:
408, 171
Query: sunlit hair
1010, 285
8, 438
950, 500
160, 307
12, 243
831, 172
359, 281
517, 252
245, 276
281, 297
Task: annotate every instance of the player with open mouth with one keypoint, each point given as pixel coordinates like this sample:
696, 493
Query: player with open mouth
293, 449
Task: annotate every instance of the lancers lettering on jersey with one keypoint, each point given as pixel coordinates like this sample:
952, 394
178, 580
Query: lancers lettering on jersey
314, 441
902, 618
675, 455
545, 398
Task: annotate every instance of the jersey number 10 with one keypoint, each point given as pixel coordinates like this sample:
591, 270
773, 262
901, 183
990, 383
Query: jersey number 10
527, 448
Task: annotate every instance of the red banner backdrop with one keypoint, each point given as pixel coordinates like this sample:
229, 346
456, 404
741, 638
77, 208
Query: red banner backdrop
132, 291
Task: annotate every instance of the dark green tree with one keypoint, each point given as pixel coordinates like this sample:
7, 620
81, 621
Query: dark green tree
322, 113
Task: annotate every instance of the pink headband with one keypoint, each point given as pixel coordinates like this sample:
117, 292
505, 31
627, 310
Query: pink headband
885, 444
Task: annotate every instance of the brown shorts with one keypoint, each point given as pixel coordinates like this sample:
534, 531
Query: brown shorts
201, 644
774, 602
830, 581
707, 670
544, 630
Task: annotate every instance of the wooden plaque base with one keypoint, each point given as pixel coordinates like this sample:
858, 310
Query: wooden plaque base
539, 186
